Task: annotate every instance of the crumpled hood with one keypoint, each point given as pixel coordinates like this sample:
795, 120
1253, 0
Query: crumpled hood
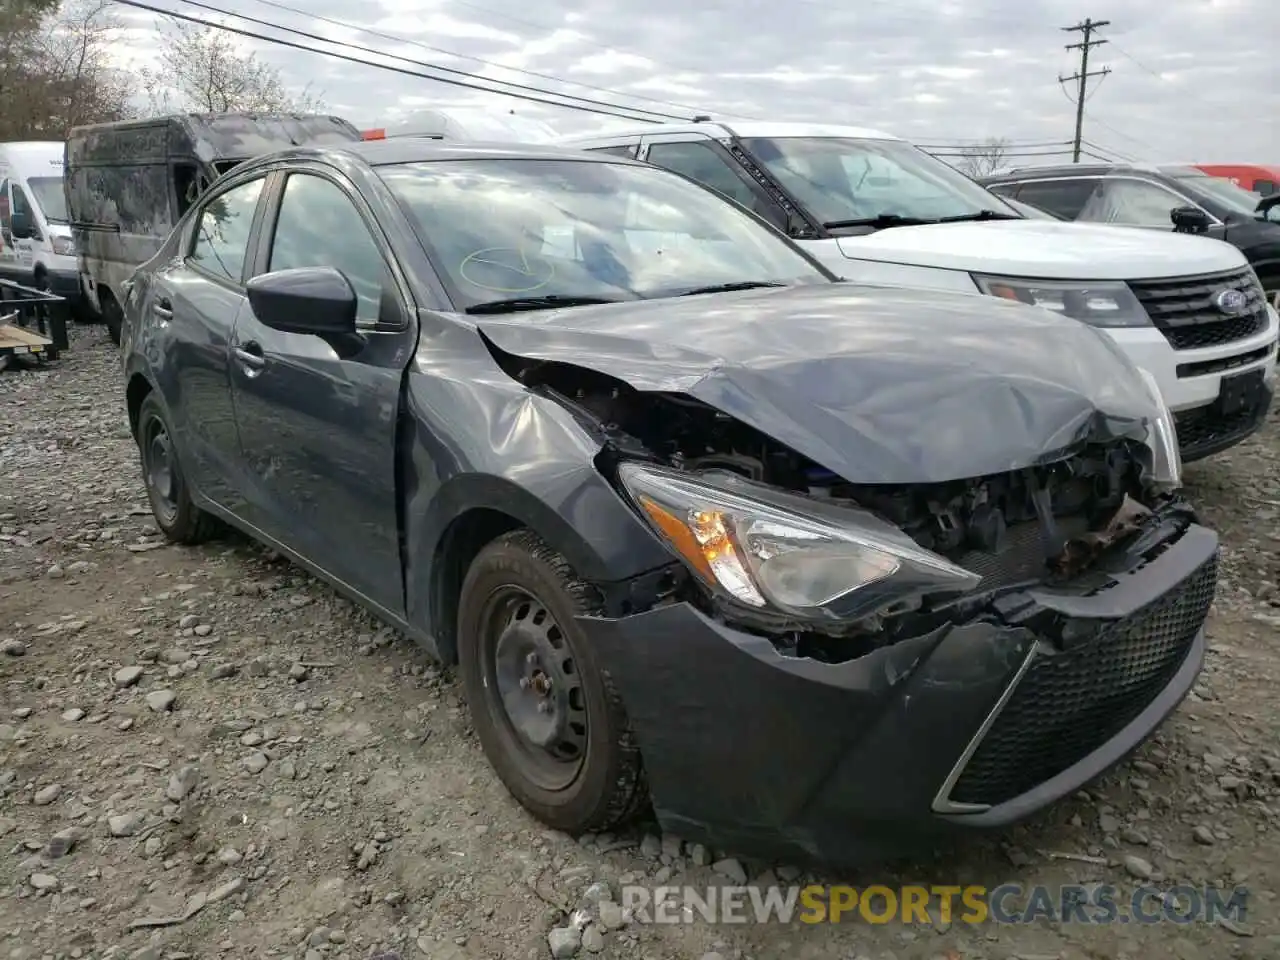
1046, 250
877, 384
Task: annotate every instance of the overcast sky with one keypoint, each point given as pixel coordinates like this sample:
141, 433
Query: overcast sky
1191, 80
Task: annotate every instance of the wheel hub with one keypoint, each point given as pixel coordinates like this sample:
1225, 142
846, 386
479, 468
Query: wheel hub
533, 690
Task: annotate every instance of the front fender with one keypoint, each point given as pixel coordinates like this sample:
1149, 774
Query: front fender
521, 456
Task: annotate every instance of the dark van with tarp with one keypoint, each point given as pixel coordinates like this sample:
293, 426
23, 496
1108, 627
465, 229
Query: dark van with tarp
128, 183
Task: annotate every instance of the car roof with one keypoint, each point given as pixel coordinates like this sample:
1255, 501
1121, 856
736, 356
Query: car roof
1085, 170
744, 128
378, 153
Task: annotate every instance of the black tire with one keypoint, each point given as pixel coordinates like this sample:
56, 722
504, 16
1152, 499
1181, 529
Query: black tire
519, 581
112, 317
178, 518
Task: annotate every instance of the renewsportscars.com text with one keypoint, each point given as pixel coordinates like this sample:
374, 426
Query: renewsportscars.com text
1010, 903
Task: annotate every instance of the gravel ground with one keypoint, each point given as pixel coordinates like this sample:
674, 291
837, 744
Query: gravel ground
210, 740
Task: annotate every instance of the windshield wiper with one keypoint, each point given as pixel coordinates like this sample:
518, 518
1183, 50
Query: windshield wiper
880, 220
727, 287
980, 215
515, 304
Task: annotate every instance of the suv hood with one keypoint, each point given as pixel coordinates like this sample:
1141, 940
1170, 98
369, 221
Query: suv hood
877, 384
1046, 250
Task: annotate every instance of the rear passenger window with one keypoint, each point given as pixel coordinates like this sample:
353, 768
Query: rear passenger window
222, 234
1066, 198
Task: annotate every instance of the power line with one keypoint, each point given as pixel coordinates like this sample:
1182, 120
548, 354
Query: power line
585, 105
1085, 29
488, 63
449, 70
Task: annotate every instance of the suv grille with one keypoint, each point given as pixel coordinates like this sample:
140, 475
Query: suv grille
1182, 308
1069, 704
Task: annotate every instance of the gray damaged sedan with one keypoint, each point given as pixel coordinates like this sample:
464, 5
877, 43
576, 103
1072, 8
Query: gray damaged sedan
809, 569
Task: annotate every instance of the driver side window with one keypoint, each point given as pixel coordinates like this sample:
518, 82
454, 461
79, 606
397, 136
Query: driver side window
701, 161
319, 226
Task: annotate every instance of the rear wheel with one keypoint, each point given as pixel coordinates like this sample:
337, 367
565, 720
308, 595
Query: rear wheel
545, 711
175, 514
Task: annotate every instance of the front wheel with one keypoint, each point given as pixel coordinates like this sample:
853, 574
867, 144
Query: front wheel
546, 713
178, 518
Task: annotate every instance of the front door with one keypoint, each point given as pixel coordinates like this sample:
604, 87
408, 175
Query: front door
318, 430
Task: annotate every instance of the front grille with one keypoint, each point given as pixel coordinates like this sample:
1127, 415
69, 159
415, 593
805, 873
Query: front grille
1203, 430
1070, 703
1182, 309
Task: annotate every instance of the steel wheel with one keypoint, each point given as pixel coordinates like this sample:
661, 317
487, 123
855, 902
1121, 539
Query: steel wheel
158, 458
533, 689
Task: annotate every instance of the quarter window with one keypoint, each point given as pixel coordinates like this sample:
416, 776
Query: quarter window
1066, 198
622, 150
222, 235
319, 226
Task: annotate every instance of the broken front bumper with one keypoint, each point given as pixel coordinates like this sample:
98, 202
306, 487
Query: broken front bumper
975, 725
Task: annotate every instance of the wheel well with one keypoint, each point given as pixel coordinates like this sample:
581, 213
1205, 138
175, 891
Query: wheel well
463, 540
135, 393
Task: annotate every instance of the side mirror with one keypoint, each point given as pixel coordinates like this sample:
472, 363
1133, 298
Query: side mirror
1190, 219
21, 227
309, 300
1269, 207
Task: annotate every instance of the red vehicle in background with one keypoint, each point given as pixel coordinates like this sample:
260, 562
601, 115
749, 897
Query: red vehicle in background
1262, 180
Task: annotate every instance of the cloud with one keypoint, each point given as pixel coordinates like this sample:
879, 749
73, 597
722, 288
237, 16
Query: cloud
1190, 80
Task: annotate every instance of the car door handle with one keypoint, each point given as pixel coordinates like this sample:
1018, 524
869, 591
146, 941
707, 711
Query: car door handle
251, 356
163, 309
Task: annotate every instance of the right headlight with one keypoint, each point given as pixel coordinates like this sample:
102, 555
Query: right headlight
1100, 303
771, 550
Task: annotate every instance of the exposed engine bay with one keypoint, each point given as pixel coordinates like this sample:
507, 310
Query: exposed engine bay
1041, 525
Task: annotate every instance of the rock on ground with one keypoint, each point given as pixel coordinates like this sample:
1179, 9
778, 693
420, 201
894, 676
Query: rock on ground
165, 756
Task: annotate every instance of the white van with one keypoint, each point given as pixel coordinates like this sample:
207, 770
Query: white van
36, 248
466, 123
876, 209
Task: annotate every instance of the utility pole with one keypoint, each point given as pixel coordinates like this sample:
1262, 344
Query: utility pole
1085, 29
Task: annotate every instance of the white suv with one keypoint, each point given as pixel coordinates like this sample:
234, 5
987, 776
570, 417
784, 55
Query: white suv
876, 209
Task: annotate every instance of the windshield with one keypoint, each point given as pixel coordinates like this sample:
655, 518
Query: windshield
1234, 198
846, 179
48, 196
508, 228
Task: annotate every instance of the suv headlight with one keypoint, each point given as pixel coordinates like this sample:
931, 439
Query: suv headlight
768, 549
64, 246
1102, 303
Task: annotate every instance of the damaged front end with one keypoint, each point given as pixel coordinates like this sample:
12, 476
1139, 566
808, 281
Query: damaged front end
840, 671
777, 544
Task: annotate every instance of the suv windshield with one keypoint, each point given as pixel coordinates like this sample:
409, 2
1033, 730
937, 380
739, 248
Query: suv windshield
1234, 198
48, 196
841, 179
525, 231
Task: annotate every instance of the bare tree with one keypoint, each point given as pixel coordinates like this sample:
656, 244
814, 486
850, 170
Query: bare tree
204, 70
55, 72
982, 159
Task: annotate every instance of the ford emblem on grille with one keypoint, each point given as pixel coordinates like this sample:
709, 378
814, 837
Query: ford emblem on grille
1230, 301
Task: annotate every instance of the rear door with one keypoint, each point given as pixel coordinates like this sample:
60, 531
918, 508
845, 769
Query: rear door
190, 313
318, 429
